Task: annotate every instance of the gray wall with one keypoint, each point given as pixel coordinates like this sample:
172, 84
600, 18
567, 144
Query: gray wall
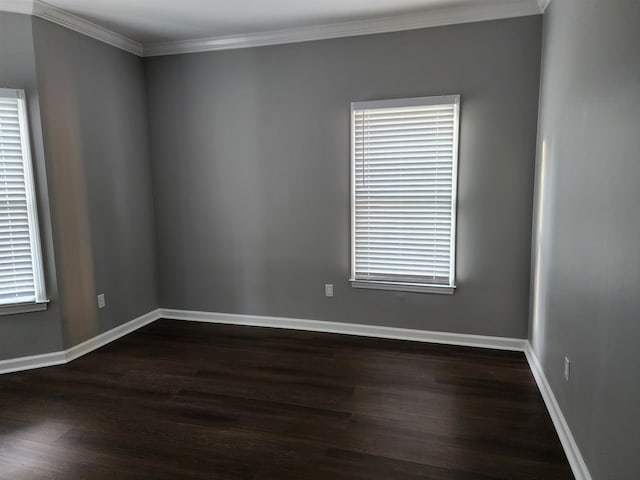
586, 250
88, 121
38, 332
250, 161
94, 117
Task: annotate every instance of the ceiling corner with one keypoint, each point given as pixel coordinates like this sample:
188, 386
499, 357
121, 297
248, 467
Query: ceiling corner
40, 9
543, 4
17, 6
73, 22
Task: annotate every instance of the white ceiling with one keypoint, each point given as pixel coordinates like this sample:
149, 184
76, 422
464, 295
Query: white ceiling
149, 21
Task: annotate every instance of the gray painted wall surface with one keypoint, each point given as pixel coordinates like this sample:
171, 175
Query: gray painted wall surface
39, 332
93, 103
250, 163
586, 250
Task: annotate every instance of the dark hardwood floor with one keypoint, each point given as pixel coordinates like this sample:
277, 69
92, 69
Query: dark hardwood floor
186, 400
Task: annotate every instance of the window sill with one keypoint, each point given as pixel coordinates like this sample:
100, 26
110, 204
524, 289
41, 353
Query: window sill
404, 287
14, 308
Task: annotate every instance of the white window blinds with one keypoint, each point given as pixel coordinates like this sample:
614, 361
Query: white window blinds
21, 279
404, 176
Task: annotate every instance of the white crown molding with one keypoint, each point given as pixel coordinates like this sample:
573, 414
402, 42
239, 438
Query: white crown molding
432, 18
497, 343
43, 10
576, 461
66, 356
73, 22
543, 4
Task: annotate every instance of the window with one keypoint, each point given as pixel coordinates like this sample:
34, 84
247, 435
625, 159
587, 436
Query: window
404, 165
21, 277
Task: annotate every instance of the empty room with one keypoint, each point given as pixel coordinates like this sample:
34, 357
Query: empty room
321, 239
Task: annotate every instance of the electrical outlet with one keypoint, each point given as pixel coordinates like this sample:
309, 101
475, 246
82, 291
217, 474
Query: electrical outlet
328, 290
567, 369
101, 301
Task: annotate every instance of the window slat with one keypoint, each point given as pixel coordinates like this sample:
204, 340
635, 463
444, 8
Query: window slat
21, 278
404, 169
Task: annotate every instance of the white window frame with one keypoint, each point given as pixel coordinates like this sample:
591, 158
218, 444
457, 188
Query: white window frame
41, 301
407, 285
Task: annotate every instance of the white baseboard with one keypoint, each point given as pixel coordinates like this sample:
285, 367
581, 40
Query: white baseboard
109, 336
498, 343
31, 362
578, 465
65, 356
571, 449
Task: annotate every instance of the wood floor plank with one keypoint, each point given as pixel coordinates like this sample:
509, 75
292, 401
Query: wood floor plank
200, 401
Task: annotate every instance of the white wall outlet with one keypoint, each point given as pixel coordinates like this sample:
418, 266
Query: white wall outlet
567, 368
328, 290
101, 301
